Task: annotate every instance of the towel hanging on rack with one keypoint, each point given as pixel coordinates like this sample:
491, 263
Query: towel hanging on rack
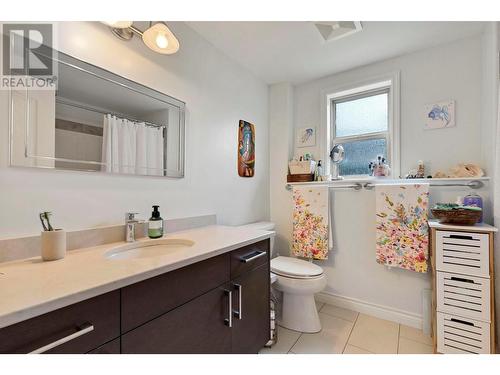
310, 222
401, 232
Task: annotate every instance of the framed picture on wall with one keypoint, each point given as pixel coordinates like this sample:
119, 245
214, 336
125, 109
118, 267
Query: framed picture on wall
440, 115
306, 137
246, 149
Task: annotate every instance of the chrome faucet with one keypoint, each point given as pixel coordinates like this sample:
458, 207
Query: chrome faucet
130, 222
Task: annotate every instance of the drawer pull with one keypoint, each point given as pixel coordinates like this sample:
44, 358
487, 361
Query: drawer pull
462, 322
460, 237
252, 256
82, 331
229, 320
239, 313
454, 278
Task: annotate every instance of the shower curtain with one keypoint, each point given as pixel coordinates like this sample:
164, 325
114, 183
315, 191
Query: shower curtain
132, 148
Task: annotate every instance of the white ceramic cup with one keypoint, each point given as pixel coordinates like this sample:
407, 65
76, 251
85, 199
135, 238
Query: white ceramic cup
54, 244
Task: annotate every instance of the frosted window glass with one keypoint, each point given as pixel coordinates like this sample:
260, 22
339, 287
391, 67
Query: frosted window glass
361, 116
359, 153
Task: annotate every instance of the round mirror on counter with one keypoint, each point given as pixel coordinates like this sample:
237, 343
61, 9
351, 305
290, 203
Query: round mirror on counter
337, 155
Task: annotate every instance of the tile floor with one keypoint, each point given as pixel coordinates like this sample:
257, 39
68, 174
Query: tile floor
346, 331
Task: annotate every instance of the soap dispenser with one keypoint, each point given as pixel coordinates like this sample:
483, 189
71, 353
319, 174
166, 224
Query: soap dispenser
155, 225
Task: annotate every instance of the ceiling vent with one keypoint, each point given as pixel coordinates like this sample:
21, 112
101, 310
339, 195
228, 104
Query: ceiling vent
337, 29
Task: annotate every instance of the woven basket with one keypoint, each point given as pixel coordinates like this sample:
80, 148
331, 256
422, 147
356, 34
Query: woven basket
459, 216
307, 177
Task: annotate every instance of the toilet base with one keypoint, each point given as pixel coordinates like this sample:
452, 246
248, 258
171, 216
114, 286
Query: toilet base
299, 313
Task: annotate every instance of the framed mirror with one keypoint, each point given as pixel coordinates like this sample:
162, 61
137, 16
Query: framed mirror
97, 121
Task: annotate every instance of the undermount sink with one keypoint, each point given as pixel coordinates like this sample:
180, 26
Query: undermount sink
147, 249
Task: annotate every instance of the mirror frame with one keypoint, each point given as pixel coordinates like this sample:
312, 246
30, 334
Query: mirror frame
114, 78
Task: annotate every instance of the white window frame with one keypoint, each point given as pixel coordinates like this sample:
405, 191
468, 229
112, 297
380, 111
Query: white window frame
388, 82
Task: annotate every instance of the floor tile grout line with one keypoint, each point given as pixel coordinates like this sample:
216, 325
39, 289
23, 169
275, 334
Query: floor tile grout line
350, 333
399, 336
338, 317
291, 347
357, 347
301, 333
415, 341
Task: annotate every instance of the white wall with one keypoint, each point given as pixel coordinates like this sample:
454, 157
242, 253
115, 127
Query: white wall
281, 145
452, 71
218, 92
494, 80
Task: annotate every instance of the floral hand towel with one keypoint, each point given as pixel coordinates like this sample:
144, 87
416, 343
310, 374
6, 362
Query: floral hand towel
402, 233
310, 222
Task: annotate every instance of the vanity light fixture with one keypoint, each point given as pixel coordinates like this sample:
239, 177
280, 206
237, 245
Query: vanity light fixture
118, 24
160, 39
157, 36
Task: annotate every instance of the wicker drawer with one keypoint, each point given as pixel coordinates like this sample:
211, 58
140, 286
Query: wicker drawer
467, 296
458, 335
465, 253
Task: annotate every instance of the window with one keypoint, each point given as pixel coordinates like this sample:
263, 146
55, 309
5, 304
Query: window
361, 119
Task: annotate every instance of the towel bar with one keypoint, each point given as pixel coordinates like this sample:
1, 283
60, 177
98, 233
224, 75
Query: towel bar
356, 186
474, 184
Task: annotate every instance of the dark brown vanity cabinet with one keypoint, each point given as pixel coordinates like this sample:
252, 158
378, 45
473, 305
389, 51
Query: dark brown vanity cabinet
250, 329
195, 327
219, 305
222, 306
77, 328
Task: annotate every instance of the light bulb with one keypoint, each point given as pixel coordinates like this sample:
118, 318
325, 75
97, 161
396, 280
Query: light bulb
161, 40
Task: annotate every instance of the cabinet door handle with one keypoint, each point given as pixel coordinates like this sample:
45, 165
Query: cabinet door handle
82, 331
239, 313
229, 320
251, 257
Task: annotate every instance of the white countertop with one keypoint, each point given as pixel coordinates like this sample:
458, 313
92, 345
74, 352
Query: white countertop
479, 227
31, 287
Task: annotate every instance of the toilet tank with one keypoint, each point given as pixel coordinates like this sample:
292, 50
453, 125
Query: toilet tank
263, 225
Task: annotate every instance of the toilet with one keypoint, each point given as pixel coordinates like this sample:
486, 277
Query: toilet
299, 280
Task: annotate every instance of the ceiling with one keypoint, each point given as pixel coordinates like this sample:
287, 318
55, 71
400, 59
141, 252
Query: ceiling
295, 51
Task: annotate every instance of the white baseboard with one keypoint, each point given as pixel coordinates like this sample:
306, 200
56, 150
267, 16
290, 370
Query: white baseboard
378, 311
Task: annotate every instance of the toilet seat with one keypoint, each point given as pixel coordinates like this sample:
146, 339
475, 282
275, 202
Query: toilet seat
295, 268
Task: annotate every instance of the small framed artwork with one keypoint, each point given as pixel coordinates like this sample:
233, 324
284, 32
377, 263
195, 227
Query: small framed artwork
246, 149
440, 115
306, 137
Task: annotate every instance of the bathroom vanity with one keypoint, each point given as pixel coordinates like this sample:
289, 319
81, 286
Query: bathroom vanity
203, 299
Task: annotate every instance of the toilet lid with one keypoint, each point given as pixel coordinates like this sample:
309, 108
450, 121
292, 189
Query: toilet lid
288, 266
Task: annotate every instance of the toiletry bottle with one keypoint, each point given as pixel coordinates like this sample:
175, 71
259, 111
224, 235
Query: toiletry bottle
319, 171
421, 169
155, 225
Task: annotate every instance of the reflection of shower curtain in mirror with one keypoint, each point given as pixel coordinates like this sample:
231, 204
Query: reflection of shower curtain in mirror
132, 148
